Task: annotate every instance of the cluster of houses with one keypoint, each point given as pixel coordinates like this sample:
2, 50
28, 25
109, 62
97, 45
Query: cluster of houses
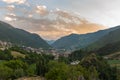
41, 51
52, 51
55, 52
5, 45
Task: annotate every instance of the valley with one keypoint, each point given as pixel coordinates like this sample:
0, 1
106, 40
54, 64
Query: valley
78, 54
59, 40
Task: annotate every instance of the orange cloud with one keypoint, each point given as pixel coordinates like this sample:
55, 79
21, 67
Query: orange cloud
64, 23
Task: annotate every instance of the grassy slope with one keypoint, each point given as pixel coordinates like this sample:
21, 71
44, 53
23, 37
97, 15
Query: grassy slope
16, 54
114, 63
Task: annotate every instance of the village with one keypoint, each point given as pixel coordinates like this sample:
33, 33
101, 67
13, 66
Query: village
51, 51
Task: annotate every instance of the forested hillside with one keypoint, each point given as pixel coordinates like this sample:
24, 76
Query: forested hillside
20, 37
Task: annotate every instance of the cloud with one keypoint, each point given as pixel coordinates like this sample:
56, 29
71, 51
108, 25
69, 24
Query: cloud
60, 23
42, 10
11, 7
9, 19
28, 11
8, 8
12, 14
15, 1
30, 15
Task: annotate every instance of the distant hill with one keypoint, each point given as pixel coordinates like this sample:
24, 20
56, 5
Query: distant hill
50, 41
20, 37
76, 41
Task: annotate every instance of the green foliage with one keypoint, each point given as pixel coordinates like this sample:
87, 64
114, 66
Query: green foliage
109, 49
32, 58
16, 64
102, 67
63, 59
76, 72
41, 67
18, 49
118, 74
31, 71
5, 55
62, 71
76, 55
5, 72
92, 73
19, 68
57, 71
47, 57
91, 67
114, 63
18, 73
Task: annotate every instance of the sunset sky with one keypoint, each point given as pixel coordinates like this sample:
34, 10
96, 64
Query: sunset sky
52, 19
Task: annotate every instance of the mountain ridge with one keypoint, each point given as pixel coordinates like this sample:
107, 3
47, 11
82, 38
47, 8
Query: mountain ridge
112, 38
20, 37
77, 41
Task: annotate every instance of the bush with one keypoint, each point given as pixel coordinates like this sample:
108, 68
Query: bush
5, 72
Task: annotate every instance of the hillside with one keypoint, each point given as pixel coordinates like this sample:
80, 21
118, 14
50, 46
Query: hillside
109, 42
20, 37
76, 41
107, 49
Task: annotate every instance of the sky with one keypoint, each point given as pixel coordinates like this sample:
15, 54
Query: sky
52, 19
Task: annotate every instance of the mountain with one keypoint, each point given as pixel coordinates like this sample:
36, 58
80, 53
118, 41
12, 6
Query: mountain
50, 41
108, 43
20, 37
109, 49
76, 41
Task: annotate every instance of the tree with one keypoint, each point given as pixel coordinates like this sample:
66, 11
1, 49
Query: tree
41, 67
76, 55
5, 55
5, 72
92, 62
57, 71
31, 70
19, 68
76, 72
